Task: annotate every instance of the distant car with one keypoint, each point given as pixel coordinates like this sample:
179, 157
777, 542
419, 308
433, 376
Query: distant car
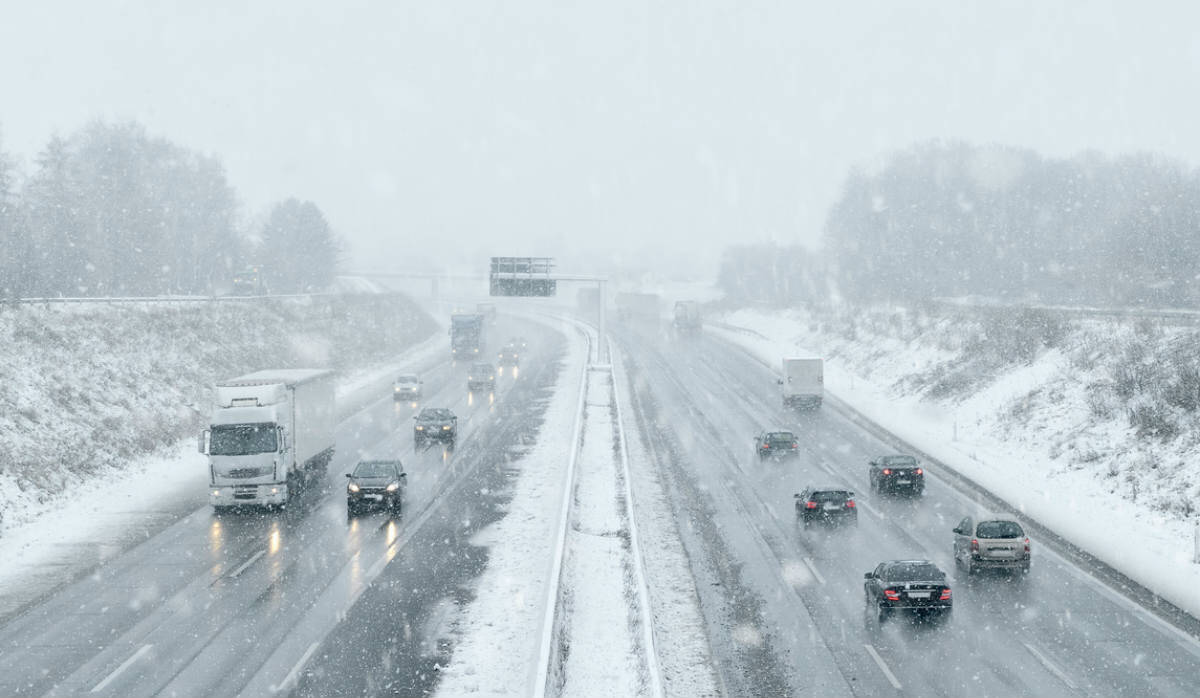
407, 388
826, 505
520, 343
917, 586
897, 474
991, 542
481, 376
776, 444
376, 482
435, 424
510, 355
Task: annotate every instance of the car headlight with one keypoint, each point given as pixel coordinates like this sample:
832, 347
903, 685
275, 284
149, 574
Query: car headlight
446, 428
393, 487
420, 428
353, 487
491, 378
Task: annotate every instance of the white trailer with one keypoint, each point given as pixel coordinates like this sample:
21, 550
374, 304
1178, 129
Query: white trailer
270, 432
803, 382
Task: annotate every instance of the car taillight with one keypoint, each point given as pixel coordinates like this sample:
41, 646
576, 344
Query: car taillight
974, 545
891, 595
849, 503
810, 505
795, 445
945, 594
887, 471
920, 471
1026, 546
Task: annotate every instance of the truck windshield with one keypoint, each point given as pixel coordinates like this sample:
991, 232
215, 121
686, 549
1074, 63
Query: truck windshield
242, 439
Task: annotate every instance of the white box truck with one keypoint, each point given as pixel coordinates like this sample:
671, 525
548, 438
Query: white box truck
803, 382
687, 316
270, 433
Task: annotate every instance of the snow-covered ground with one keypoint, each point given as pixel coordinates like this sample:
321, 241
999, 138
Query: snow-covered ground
1047, 425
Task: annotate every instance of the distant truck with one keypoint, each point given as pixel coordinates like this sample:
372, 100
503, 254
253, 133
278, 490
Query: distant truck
487, 310
687, 317
803, 382
466, 335
270, 433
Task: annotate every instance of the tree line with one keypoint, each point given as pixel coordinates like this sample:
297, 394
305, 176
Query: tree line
953, 219
113, 211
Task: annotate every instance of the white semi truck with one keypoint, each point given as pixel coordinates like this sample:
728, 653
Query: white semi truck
803, 382
270, 432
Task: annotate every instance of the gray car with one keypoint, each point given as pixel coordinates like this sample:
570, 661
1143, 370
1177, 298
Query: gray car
991, 542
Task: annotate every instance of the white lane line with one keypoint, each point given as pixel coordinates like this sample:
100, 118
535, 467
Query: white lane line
1062, 676
813, 568
242, 568
293, 676
883, 667
870, 509
124, 665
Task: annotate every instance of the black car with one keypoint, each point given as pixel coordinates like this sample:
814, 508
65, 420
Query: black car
510, 355
917, 586
897, 474
481, 376
776, 444
376, 482
826, 505
435, 424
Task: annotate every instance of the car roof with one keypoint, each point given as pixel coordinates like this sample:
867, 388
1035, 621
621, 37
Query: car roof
994, 516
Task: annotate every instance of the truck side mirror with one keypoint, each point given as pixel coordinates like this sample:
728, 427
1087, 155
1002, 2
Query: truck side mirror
202, 442
958, 530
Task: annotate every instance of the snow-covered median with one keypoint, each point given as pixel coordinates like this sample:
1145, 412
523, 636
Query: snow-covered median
1030, 433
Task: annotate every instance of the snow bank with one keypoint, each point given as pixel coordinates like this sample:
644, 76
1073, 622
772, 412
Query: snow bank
1032, 432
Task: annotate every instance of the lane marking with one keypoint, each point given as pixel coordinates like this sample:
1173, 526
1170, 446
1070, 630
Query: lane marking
883, 667
242, 568
293, 676
124, 665
870, 509
813, 568
1062, 676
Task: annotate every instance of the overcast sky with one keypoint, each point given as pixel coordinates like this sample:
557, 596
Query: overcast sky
620, 130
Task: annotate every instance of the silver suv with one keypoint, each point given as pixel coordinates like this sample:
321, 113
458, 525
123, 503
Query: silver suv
991, 542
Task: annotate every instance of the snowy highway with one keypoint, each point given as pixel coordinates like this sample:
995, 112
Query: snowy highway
312, 602
791, 618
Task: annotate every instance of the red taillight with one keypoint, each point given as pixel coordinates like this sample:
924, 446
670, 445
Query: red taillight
795, 445
849, 503
920, 471
810, 505
1026, 546
945, 594
887, 471
766, 446
974, 545
891, 595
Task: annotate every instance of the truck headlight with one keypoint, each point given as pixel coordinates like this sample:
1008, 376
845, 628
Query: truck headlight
353, 487
393, 487
420, 428
446, 428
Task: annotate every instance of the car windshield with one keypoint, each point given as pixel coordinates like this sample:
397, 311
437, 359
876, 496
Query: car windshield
913, 572
781, 436
998, 529
376, 468
435, 414
898, 461
242, 439
406, 379
481, 368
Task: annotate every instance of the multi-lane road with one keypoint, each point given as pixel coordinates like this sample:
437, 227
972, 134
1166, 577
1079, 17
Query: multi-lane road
310, 601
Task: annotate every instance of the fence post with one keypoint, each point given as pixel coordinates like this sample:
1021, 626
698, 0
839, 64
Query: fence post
1196, 543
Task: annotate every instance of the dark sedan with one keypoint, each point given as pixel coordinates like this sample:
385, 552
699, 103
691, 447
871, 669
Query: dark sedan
916, 586
376, 483
826, 505
897, 474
